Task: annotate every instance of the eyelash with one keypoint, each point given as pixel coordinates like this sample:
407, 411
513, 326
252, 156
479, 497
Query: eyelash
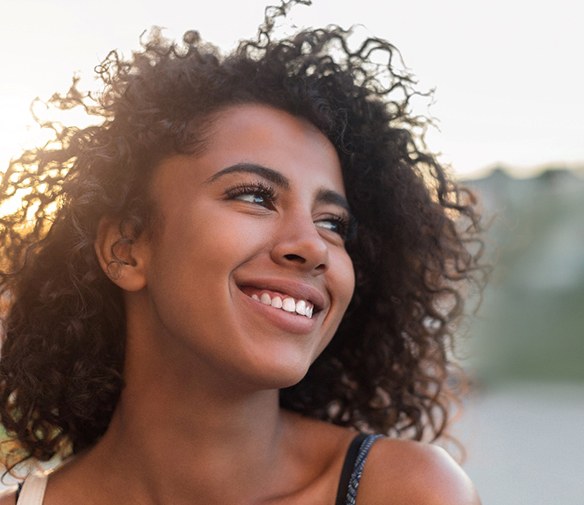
341, 223
257, 189
268, 194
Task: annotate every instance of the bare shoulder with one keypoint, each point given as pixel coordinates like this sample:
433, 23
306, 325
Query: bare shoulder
8, 497
413, 473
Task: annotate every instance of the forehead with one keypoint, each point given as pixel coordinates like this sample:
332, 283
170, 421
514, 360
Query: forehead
274, 138
264, 123
257, 135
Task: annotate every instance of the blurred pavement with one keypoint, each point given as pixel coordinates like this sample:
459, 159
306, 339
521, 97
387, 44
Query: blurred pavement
525, 444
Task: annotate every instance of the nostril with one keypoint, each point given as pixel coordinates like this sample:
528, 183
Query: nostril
297, 253
295, 257
300, 260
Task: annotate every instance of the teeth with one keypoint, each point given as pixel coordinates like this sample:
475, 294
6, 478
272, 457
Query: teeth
289, 305
301, 307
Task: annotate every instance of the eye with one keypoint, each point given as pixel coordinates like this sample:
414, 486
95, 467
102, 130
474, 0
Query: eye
256, 193
336, 224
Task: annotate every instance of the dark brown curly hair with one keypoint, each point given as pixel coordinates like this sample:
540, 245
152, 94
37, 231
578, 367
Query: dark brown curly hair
414, 247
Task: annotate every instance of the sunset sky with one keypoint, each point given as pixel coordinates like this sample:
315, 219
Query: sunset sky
508, 75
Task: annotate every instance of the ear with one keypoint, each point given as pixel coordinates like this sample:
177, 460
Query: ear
121, 255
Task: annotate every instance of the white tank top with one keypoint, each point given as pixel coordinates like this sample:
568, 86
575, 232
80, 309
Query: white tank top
33, 490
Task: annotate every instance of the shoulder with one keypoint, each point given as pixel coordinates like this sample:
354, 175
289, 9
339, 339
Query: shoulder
8, 497
413, 473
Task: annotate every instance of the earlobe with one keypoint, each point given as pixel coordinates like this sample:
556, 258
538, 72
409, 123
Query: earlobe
120, 255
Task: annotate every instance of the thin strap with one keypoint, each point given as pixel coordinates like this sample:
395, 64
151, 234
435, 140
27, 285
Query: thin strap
353, 468
348, 465
33, 490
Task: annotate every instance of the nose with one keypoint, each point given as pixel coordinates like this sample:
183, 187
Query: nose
299, 245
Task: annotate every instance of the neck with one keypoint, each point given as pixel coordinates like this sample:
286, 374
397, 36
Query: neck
187, 428
167, 451
171, 437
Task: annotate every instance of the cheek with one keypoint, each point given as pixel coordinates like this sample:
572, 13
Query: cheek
202, 234
344, 280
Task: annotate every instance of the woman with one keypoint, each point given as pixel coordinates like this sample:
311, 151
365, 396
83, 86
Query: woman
246, 262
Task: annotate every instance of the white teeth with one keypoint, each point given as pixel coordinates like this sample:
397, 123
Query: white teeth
289, 305
301, 307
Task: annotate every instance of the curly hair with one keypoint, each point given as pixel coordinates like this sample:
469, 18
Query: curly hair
415, 247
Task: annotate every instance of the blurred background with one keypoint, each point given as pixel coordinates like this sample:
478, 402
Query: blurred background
523, 425
508, 80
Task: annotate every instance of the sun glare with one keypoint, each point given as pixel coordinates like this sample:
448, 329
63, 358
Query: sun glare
17, 137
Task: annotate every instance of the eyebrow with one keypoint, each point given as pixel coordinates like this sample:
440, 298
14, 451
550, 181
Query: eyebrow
323, 195
334, 198
251, 168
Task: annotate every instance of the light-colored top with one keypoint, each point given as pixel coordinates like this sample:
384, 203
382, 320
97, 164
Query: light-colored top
33, 490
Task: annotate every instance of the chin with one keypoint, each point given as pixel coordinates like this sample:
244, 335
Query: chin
280, 375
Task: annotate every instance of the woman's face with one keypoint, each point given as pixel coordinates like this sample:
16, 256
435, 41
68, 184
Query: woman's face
246, 272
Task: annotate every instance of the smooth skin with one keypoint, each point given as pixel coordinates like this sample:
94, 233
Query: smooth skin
261, 208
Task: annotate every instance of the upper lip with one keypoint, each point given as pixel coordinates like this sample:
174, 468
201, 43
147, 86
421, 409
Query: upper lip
295, 289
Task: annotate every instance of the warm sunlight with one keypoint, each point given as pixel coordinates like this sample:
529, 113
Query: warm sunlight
494, 100
158, 308
14, 142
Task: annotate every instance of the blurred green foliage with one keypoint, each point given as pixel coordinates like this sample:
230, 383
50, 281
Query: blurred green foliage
531, 323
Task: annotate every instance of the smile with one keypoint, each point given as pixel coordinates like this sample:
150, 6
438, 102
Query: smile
283, 302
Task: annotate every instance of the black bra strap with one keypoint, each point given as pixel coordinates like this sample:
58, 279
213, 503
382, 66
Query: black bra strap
348, 465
